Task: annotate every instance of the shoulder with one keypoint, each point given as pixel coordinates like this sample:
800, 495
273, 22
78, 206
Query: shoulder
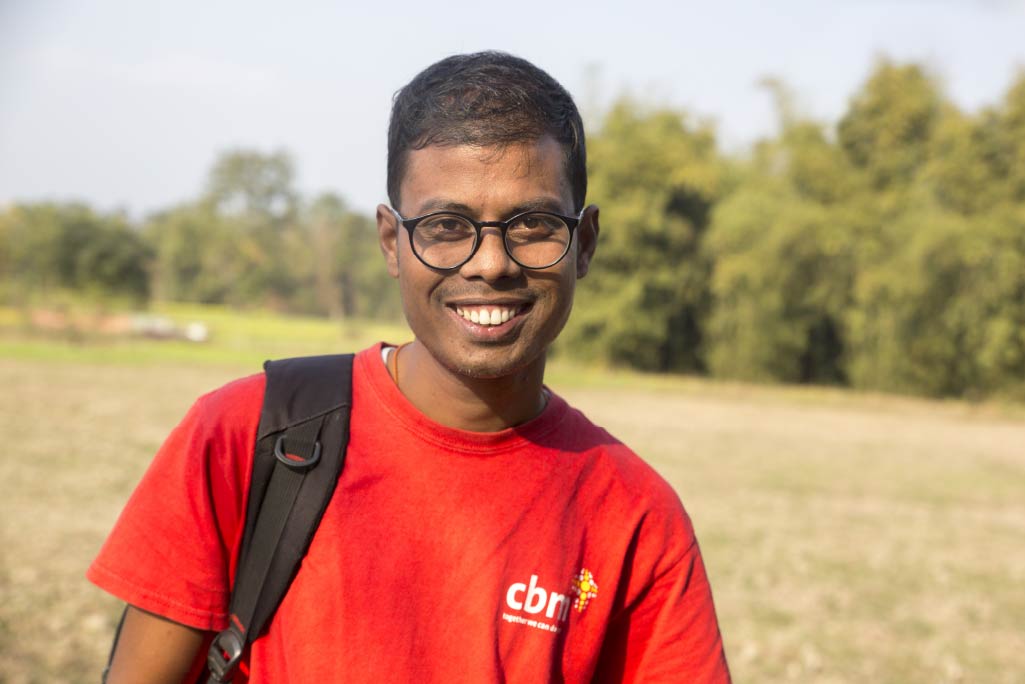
231, 406
189, 504
216, 437
626, 480
222, 421
213, 444
637, 476
639, 519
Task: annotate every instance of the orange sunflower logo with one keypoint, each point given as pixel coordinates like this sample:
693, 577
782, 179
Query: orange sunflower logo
585, 589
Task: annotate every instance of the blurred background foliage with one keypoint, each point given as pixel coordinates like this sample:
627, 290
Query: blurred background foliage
885, 252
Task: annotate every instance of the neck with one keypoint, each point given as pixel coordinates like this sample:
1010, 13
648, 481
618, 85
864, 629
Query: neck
466, 403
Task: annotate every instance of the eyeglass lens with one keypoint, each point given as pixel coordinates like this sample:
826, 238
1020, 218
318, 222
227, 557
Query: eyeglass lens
534, 240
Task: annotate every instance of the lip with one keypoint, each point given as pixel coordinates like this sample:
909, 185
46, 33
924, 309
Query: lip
491, 333
488, 302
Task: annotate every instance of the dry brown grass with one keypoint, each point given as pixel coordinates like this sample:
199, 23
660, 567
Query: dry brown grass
78, 438
848, 538
861, 539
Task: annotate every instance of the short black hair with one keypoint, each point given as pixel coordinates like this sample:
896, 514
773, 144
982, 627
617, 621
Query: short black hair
485, 99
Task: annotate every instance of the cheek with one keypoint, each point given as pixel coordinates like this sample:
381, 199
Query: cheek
561, 302
411, 294
566, 302
416, 287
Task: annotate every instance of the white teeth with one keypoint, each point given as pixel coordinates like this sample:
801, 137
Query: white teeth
483, 316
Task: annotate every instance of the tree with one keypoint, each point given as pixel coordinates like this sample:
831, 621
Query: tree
957, 169
888, 126
783, 271
251, 241
348, 276
655, 177
254, 198
783, 245
53, 248
254, 185
196, 255
944, 314
1001, 136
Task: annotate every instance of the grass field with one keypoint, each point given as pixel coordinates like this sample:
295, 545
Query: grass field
849, 538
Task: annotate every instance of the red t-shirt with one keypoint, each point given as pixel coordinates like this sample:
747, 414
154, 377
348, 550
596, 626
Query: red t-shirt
548, 551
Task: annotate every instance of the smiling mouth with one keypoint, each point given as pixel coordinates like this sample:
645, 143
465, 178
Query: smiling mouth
490, 315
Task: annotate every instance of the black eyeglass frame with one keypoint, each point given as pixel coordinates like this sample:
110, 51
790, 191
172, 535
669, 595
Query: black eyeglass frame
410, 225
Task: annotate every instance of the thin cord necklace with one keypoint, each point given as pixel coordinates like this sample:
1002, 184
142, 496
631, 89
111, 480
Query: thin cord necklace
393, 370
393, 362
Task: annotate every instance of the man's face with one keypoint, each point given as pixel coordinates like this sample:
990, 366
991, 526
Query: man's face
486, 184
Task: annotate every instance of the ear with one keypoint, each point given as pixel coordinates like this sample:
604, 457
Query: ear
388, 238
587, 239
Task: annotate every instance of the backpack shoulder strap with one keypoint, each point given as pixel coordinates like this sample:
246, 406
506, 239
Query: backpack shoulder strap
300, 450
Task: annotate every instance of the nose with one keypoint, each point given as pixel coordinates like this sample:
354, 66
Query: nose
490, 262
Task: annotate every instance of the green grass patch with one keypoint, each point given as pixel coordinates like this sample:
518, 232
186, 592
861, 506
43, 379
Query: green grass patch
239, 339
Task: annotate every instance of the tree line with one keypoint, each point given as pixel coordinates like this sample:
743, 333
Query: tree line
250, 240
885, 251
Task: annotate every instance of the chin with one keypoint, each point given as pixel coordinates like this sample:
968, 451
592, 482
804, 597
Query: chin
491, 366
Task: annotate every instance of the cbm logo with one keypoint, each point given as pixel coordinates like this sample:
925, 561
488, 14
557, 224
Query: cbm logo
534, 599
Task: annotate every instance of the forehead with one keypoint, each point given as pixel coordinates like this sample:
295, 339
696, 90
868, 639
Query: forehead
491, 178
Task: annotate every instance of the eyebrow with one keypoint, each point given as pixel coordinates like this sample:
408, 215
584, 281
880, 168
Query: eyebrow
434, 204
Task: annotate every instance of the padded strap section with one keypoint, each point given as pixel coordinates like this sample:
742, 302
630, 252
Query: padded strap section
306, 415
297, 389
302, 388
255, 585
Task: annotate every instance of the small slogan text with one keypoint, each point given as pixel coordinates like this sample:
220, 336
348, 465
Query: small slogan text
536, 624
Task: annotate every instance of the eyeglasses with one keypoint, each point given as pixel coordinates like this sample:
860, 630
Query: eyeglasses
445, 240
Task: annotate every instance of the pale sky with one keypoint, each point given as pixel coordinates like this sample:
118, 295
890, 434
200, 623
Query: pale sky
125, 104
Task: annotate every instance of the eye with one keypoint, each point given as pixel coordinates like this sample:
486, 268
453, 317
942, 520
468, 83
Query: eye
442, 223
536, 227
445, 227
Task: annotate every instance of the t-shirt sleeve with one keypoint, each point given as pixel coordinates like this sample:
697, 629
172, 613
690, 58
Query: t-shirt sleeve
172, 549
668, 630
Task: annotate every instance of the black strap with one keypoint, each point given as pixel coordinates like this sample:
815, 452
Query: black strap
113, 646
300, 450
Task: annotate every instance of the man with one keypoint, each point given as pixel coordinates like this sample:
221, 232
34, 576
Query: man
482, 529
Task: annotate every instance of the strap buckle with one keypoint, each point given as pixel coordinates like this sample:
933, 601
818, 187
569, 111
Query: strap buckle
224, 654
293, 461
